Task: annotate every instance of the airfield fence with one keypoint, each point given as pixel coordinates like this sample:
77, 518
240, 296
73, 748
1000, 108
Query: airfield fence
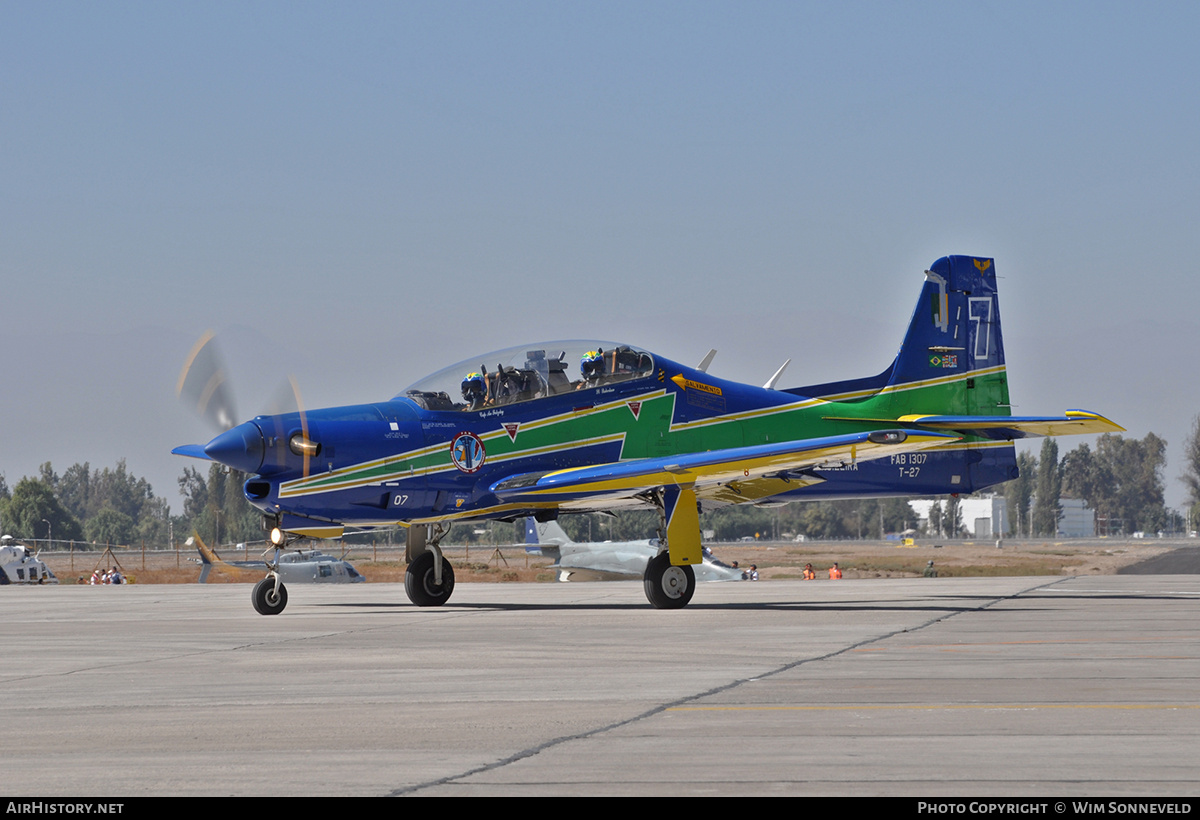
181, 563
384, 562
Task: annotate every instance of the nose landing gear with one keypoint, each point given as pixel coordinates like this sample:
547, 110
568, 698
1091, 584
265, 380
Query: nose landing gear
269, 596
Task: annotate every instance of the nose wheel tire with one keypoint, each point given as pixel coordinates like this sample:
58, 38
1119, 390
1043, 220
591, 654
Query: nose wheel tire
667, 586
266, 600
421, 583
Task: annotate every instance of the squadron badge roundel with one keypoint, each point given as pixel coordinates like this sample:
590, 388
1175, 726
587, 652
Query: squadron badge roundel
466, 449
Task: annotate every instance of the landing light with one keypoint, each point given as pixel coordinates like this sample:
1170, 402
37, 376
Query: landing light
277, 537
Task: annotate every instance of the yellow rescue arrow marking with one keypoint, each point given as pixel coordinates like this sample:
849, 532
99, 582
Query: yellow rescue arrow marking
689, 384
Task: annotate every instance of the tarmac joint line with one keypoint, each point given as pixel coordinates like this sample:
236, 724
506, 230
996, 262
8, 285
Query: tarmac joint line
682, 703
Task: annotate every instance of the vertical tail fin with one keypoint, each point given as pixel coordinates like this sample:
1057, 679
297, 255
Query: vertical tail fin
951, 363
549, 532
952, 357
954, 341
544, 538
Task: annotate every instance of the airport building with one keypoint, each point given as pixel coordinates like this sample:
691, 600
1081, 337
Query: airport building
1075, 518
987, 516
982, 517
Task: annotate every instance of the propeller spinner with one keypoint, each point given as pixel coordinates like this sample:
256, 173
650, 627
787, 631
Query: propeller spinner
204, 387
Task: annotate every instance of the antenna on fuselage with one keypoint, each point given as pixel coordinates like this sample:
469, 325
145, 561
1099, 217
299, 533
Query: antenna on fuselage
706, 361
770, 385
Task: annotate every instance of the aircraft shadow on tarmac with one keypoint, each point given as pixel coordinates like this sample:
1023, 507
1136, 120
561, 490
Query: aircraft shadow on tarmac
1181, 561
748, 606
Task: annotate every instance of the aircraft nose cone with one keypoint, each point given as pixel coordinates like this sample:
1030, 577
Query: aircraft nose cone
241, 448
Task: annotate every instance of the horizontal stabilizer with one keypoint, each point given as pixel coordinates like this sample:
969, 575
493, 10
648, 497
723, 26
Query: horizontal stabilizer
1007, 428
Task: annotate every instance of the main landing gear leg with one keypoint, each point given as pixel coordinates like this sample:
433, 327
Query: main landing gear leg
429, 580
670, 585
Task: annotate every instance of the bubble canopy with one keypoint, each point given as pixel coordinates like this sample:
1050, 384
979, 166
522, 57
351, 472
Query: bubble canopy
531, 371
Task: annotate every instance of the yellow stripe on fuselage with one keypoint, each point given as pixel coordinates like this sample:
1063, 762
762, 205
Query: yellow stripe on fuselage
315, 484
764, 412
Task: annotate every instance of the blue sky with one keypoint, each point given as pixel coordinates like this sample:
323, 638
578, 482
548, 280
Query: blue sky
361, 193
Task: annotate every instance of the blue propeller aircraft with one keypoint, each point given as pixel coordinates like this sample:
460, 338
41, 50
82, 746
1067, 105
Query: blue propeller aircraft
518, 433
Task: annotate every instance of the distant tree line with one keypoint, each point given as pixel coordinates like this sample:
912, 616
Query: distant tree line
1121, 479
215, 507
102, 506
111, 506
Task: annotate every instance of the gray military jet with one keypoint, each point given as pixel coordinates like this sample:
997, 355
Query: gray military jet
608, 560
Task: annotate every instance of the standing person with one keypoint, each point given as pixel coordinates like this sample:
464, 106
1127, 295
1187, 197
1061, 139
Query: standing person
834, 572
809, 575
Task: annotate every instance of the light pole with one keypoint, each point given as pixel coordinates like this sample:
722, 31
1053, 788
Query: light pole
49, 532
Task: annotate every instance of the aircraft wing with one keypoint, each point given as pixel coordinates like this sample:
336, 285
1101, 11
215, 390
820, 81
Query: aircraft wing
1007, 428
596, 486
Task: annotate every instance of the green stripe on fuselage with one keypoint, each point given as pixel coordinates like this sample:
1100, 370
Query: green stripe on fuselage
653, 431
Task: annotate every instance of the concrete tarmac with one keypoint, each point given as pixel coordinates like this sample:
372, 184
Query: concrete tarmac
1033, 687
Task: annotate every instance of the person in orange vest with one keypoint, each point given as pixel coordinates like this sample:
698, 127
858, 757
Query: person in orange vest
809, 575
834, 572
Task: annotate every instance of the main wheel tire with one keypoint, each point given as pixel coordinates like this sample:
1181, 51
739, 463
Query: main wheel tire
421, 585
667, 586
265, 599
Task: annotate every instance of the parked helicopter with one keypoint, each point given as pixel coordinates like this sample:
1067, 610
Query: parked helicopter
633, 428
299, 567
20, 566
